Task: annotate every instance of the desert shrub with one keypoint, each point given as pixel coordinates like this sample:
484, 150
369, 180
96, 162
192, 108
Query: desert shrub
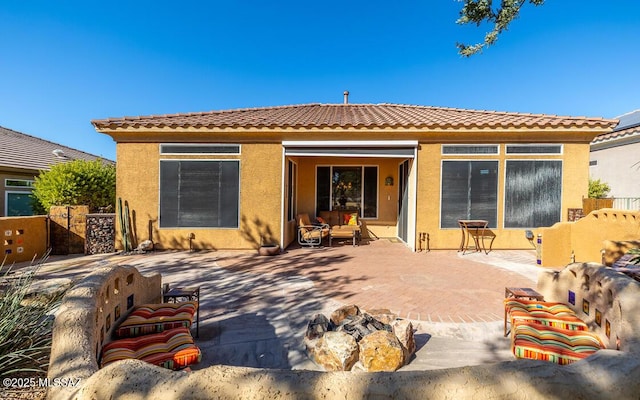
79, 182
25, 325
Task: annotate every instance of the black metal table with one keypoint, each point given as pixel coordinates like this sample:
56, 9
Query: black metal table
182, 293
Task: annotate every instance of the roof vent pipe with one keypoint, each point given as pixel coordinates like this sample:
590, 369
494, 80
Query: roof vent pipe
346, 97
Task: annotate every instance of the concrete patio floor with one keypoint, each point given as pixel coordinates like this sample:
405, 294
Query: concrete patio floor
254, 310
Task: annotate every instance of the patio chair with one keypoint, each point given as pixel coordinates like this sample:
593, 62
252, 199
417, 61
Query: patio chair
311, 234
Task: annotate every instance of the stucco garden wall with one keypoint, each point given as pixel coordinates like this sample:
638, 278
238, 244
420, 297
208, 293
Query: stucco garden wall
606, 300
586, 236
608, 374
23, 238
88, 315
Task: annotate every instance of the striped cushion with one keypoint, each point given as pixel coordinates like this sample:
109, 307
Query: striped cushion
560, 346
173, 349
560, 320
154, 318
529, 305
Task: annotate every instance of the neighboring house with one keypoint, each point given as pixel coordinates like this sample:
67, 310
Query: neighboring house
615, 159
232, 179
22, 157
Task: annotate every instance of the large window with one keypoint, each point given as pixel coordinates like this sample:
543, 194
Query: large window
349, 187
469, 191
199, 194
533, 191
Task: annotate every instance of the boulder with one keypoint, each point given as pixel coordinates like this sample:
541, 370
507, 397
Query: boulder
343, 312
316, 328
381, 351
383, 315
403, 330
336, 351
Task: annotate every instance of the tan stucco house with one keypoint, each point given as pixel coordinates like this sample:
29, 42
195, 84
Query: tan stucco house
233, 178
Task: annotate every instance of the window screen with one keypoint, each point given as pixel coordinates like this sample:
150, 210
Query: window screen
469, 191
199, 194
533, 192
199, 149
469, 149
534, 149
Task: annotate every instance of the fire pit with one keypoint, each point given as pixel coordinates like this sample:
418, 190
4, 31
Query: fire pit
352, 339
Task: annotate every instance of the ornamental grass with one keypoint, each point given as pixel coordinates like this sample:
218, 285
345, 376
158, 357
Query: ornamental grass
25, 325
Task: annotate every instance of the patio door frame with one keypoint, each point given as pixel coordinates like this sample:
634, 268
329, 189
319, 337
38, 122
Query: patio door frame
403, 200
404, 149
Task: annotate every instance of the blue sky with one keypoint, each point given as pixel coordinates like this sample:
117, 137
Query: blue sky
64, 63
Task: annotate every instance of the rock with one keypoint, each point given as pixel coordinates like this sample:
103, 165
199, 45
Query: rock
343, 312
383, 315
336, 351
317, 326
146, 245
403, 330
381, 351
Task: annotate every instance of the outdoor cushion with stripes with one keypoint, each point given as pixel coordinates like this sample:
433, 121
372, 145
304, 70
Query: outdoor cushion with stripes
154, 318
531, 305
560, 346
173, 349
560, 320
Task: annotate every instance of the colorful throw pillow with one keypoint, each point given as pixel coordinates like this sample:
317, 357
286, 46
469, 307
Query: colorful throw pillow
353, 219
320, 221
345, 218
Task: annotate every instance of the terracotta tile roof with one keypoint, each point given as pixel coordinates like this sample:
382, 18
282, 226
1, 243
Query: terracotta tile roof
18, 150
629, 126
309, 116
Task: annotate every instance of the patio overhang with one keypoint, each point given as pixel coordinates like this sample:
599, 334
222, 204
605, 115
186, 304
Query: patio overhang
352, 148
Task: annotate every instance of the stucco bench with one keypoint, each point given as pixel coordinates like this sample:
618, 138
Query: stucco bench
172, 349
154, 318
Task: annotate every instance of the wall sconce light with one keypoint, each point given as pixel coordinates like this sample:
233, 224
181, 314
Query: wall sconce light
388, 181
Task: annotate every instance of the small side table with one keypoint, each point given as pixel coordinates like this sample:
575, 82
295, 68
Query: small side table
519, 293
185, 293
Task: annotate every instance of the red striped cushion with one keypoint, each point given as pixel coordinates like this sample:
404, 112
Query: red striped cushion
560, 346
560, 320
172, 349
531, 305
154, 318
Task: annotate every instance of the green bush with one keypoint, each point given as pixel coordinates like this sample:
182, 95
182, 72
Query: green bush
598, 189
79, 182
25, 326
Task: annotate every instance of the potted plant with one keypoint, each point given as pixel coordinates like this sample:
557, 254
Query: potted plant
268, 249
